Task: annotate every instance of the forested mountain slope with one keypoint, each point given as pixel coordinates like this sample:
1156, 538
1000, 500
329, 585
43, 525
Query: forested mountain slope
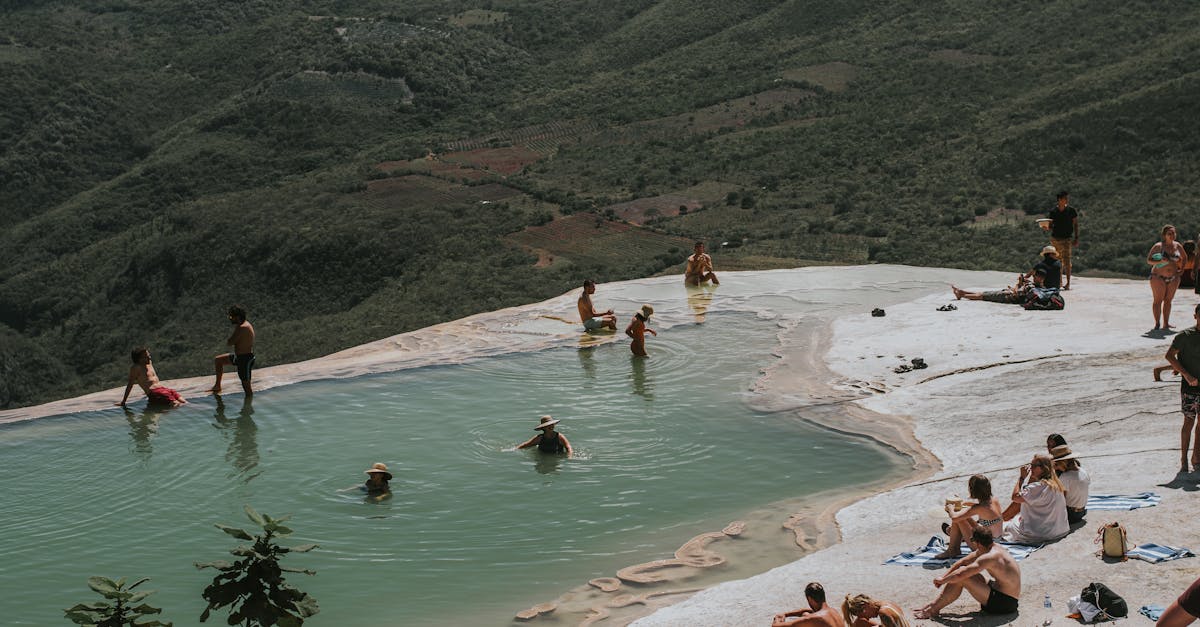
353, 170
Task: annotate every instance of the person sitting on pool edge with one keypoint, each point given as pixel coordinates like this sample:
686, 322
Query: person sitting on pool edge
699, 267
593, 320
818, 611
549, 440
142, 373
637, 330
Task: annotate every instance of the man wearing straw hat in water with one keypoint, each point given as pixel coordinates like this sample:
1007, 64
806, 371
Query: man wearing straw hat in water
637, 330
549, 440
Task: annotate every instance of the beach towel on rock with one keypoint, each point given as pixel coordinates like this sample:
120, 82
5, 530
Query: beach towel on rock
925, 555
1122, 501
1156, 553
1153, 612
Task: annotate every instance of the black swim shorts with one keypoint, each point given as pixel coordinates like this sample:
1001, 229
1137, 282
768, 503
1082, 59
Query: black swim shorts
999, 603
244, 363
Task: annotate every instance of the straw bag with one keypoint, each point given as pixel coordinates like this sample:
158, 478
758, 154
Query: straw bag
1112, 541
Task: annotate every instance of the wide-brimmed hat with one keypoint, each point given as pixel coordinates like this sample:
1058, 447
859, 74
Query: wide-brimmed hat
377, 468
647, 311
1062, 452
545, 421
1049, 249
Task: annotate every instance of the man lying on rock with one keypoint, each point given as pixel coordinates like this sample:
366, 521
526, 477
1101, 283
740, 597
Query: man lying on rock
1024, 291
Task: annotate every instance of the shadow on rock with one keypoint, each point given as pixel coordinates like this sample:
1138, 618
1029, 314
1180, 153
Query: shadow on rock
1187, 482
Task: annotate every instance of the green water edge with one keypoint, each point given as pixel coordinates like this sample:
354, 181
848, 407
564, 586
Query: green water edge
667, 449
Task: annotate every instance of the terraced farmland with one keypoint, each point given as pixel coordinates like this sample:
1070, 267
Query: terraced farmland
587, 238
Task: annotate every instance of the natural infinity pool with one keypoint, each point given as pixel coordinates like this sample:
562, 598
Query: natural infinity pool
666, 448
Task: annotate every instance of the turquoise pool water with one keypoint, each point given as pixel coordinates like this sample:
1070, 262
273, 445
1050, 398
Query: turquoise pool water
666, 448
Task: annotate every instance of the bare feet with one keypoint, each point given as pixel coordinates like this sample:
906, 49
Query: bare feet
947, 554
925, 612
958, 294
216, 390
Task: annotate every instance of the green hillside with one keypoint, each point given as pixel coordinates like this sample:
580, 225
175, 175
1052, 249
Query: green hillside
353, 170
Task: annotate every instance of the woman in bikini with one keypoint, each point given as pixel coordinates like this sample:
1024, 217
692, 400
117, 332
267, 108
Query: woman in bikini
986, 512
1166, 260
861, 610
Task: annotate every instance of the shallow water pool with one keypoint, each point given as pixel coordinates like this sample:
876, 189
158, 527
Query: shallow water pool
665, 448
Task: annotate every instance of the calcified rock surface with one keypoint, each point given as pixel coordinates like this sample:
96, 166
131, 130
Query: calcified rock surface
1000, 379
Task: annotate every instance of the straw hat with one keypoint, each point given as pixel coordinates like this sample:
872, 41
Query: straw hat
1048, 250
379, 467
647, 311
545, 421
1062, 452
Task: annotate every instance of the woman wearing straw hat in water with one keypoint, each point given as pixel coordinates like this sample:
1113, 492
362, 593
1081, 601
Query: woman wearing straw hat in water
637, 330
549, 440
376, 485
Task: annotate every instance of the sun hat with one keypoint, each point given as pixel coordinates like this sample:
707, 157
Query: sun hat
1049, 249
545, 421
1062, 452
647, 311
379, 467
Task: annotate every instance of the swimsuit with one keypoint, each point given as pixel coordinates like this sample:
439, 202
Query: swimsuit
551, 446
989, 523
998, 602
244, 363
163, 396
591, 324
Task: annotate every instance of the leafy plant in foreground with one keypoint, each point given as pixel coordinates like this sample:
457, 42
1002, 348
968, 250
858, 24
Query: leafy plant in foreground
121, 611
254, 585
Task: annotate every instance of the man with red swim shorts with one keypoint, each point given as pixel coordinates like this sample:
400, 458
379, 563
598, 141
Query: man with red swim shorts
142, 373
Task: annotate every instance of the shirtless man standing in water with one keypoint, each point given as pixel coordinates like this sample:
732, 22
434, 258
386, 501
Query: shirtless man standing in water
242, 356
143, 374
593, 320
997, 596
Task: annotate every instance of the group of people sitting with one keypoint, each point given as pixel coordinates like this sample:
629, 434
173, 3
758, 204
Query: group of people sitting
1040, 288
1049, 497
857, 611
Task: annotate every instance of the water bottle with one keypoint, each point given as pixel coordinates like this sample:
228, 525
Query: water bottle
1046, 602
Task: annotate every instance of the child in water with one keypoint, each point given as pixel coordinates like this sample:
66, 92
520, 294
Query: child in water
637, 330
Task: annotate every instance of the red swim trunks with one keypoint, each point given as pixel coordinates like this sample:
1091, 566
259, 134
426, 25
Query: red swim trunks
163, 396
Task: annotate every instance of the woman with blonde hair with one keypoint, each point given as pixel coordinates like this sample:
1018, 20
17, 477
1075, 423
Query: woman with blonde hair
1166, 260
1042, 505
861, 610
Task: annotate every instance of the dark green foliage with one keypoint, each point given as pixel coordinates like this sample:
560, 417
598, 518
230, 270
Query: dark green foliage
162, 159
122, 606
253, 587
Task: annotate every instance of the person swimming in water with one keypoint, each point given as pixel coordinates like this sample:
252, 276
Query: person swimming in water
549, 440
637, 330
142, 373
376, 485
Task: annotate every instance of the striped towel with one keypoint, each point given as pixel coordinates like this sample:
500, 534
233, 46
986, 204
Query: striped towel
1155, 553
1122, 502
1153, 612
924, 555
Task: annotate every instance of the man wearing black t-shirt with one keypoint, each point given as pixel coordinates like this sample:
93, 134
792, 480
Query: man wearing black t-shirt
1064, 233
1184, 356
